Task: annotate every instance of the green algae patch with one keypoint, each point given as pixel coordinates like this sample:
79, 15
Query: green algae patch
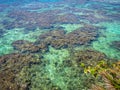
112, 33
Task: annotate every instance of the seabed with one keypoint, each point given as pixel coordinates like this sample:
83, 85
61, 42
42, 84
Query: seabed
60, 45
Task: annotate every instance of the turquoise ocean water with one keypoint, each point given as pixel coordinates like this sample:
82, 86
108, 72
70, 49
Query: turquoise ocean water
48, 44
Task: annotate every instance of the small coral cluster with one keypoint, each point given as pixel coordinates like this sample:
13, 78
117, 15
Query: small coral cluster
88, 57
26, 46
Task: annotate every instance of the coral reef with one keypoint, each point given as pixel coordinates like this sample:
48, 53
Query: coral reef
55, 71
11, 65
94, 19
54, 38
26, 46
86, 57
45, 19
31, 19
65, 45
59, 71
58, 38
67, 18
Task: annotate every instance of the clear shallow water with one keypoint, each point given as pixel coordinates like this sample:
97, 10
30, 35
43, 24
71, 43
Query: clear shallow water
47, 45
